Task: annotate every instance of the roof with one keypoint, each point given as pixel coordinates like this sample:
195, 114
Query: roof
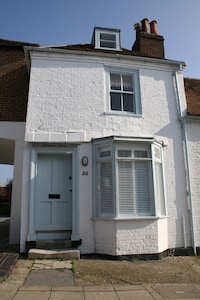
90, 48
192, 90
4, 42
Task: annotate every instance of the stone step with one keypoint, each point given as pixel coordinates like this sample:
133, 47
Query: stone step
54, 254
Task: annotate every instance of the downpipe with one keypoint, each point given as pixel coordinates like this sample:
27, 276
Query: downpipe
186, 156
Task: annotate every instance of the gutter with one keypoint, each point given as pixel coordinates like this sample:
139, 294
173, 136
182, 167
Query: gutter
119, 56
186, 156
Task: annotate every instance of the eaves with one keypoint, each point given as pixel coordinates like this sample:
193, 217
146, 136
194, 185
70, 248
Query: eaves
172, 63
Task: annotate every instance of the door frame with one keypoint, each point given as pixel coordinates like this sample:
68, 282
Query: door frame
56, 150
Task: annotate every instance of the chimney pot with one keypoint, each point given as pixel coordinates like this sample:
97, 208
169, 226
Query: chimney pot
137, 27
153, 27
145, 25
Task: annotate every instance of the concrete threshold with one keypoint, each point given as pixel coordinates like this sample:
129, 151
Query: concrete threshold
54, 254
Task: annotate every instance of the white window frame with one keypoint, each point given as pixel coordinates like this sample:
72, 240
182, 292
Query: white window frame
114, 146
116, 33
136, 91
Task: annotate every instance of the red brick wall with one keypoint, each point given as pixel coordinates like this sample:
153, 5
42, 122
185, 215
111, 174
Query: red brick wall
13, 83
151, 45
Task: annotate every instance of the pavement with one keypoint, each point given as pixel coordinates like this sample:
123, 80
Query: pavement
28, 279
54, 280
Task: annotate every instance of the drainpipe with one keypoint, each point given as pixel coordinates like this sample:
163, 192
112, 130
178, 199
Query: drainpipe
186, 156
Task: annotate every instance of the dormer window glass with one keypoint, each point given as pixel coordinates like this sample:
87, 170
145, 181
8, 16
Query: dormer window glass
108, 39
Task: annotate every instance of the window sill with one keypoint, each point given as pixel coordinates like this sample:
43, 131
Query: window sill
129, 218
120, 114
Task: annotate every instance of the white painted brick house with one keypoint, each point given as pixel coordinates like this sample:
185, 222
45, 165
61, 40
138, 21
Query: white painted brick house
103, 157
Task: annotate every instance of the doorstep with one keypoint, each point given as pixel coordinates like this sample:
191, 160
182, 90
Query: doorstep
54, 254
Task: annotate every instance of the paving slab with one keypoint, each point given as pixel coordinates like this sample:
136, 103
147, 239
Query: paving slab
26, 295
178, 291
101, 295
54, 277
137, 294
7, 294
68, 296
68, 288
99, 288
51, 264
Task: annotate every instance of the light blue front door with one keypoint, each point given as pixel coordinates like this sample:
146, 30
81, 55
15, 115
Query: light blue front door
53, 214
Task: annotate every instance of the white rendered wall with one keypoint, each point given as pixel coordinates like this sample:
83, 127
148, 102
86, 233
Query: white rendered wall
105, 237
86, 225
193, 137
67, 103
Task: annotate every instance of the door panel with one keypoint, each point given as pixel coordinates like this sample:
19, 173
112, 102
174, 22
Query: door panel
53, 193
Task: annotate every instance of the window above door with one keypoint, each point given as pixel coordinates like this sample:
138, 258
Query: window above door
123, 96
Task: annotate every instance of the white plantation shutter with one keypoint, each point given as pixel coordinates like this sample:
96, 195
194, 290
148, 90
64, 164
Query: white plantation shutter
158, 182
159, 190
143, 188
105, 193
134, 184
125, 188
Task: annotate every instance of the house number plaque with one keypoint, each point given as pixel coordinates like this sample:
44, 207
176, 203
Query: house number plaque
85, 173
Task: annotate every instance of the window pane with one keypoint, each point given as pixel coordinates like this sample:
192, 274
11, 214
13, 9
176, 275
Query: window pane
159, 190
127, 83
105, 153
107, 44
140, 153
115, 101
108, 40
124, 153
108, 37
143, 188
128, 102
125, 188
105, 187
157, 152
115, 82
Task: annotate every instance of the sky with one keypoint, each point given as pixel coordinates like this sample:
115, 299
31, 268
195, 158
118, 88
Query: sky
66, 22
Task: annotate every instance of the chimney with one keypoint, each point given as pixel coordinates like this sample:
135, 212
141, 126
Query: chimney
145, 25
153, 27
149, 44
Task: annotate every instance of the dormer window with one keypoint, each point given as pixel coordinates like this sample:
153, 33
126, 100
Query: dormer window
108, 39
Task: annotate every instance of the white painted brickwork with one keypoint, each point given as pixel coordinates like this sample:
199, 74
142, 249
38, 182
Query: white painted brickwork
193, 134
67, 103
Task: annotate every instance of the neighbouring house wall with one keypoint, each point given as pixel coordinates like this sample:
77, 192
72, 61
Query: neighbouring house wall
67, 103
13, 104
14, 131
193, 138
13, 83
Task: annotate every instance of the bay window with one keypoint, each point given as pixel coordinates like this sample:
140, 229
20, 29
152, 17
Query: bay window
129, 179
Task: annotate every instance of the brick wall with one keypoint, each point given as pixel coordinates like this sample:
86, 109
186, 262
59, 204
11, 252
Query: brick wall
150, 45
13, 84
